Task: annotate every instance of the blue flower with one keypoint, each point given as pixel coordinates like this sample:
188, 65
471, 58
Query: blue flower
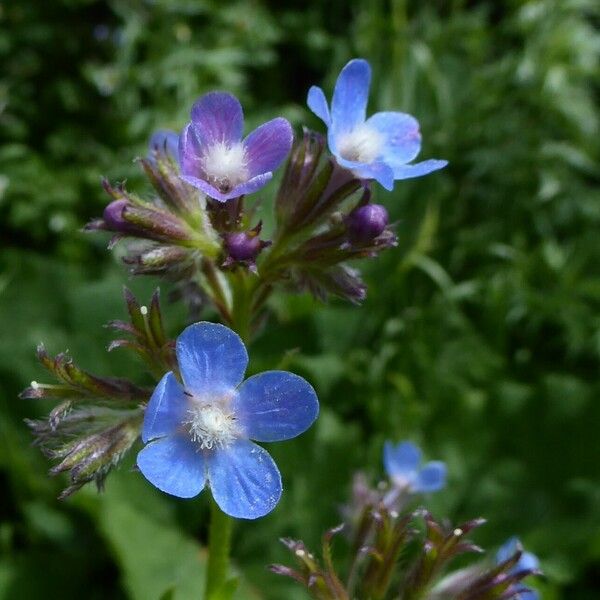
528, 564
380, 147
402, 464
198, 433
164, 142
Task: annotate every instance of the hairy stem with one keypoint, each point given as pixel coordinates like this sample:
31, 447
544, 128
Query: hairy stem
219, 545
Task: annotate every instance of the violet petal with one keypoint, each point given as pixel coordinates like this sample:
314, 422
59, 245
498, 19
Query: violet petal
218, 118
268, 145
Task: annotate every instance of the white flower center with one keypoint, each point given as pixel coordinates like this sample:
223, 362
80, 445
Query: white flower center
402, 482
225, 166
211, 424
362, 144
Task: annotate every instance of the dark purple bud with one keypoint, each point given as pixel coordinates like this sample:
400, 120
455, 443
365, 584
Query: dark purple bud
367, 222
113, 216
244, 246
241, 246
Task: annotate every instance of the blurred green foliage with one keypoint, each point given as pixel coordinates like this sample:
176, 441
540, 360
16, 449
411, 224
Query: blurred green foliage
480, 338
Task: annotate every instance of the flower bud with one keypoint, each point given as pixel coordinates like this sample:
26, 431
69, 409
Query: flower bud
163, 145
158, 259
241, 246
113, 216
91, 457
367, 222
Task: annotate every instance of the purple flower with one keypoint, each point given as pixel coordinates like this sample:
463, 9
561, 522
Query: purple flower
216, 160
402, 463
528, 564
198, 433
379, 147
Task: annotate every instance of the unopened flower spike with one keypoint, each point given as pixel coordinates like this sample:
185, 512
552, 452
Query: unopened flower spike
214, 157
380, 147
403, 465
198, 432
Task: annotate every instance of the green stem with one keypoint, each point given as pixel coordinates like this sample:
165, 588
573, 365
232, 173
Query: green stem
219, 545
243, 295
221, 525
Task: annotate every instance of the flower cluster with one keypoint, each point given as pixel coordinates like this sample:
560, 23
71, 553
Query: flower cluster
398, 552
200, 422
200, 228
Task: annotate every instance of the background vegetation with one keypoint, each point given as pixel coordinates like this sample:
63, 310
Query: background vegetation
480, 337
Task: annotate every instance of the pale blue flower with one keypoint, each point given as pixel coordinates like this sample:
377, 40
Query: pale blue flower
528, 564
403, 465
198, 432
380, 147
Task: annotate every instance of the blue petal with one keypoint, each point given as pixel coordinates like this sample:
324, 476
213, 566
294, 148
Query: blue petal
402, 459
528, 562
165, 141
244, 480
508, 549
166, 409
431, 477
173, 465
318, 104
401, 137
350, 96
526, 593
212, 358
275, 406
417, 169
378, 171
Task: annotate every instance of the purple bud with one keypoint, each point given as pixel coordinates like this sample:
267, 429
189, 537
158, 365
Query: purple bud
242, 246
113, 216
367, 222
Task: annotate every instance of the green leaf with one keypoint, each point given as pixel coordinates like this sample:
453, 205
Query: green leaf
156, 557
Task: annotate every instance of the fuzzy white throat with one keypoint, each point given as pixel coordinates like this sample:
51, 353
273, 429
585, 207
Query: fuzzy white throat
225, 166
211, 424
363, 144
401, 482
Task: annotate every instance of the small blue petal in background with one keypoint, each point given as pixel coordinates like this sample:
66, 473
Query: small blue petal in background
402, 463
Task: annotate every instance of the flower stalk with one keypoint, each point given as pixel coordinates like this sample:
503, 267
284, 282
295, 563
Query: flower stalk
220, 530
